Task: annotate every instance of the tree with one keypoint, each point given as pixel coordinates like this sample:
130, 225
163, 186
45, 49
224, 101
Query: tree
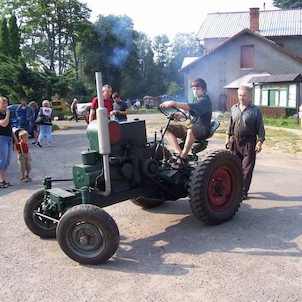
184, 45
14, 38
116, 50
49, 30
10, 78
288, 3
4, 37
61, 51
146, 65
161, 46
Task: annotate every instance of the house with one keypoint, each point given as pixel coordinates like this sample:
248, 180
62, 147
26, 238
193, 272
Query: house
277, 95
242, 45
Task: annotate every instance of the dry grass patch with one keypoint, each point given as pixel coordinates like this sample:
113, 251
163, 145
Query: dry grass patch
283, 141
275, 139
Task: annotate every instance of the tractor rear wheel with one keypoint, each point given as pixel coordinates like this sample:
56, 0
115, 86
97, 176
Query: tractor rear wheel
216, 187
88, 234
39, 225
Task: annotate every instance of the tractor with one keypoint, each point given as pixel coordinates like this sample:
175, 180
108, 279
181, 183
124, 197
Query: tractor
122, 164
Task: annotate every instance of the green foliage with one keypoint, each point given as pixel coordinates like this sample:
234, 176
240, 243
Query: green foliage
14, 38
60, 50
174, 89
184, 45
4, 37
10, 72
282, 122
49, 30
288, 3
116, 48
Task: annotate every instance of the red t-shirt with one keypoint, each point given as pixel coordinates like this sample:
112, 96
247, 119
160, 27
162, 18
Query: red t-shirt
108, 104
22, 147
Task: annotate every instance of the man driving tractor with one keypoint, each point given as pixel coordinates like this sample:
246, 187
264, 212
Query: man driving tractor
199, 126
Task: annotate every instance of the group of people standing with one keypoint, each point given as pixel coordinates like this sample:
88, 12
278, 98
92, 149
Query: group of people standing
39, 120
116, 107
30, 117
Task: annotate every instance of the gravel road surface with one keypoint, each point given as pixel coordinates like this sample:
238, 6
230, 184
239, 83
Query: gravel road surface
165, 254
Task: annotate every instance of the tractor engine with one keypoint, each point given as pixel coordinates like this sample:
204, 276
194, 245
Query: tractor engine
130, 161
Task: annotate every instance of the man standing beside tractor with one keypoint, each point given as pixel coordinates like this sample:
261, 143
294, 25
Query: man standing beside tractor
245, 134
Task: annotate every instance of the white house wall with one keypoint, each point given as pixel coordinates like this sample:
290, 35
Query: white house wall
222, 66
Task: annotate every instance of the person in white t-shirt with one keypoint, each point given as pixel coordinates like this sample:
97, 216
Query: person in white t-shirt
45, 123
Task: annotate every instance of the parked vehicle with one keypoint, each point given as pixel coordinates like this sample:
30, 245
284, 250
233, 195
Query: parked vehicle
15, 121
13, 117
59, 105
58, 108
82, 110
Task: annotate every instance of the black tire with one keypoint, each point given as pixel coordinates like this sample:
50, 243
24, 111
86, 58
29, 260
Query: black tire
40, 226
88, 234
216, 187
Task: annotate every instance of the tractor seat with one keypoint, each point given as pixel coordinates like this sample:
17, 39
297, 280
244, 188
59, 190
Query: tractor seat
214, 126
200, 145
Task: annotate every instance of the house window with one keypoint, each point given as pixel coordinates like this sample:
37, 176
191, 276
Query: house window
273, 98
247, 56
257, 95
292, 92
264, 98
276, 95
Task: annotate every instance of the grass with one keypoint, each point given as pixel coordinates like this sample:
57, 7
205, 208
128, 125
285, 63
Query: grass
145, 111
283, 141
289, 122
277, 140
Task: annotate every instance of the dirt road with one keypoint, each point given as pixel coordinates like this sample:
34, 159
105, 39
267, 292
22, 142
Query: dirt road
165, 254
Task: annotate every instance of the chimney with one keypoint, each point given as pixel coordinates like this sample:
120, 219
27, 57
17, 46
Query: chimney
254, 19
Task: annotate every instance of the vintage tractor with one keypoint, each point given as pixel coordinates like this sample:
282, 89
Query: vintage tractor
120, 164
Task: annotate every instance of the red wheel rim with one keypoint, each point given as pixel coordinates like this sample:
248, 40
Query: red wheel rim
221, 188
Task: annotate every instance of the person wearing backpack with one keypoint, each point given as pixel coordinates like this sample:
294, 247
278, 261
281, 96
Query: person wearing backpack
44, 120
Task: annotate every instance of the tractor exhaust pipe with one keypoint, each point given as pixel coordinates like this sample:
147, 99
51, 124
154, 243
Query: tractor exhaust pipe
103, 134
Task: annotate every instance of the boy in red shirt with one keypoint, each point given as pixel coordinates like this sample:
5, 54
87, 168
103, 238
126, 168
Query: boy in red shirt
24, 159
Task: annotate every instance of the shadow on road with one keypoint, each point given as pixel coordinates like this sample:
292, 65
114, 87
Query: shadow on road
253, 231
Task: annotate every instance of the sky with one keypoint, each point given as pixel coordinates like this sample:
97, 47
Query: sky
158, 17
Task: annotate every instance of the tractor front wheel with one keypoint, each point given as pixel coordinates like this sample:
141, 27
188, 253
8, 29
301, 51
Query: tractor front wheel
36, 219
88, 234
216, 187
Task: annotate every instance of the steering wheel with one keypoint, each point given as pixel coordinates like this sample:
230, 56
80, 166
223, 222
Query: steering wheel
171, 111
